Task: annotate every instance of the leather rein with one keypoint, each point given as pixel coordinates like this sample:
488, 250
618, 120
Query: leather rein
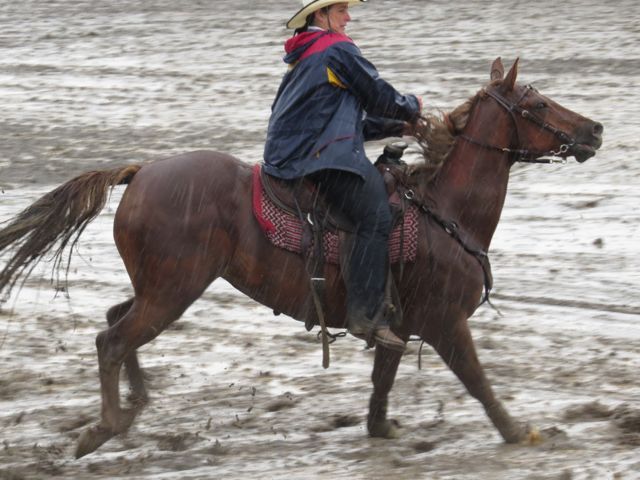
526, 155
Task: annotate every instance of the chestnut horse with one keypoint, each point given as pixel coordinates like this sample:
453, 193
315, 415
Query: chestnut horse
187, 220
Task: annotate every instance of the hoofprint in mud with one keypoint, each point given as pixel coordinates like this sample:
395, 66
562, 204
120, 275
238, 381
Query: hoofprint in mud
158, 303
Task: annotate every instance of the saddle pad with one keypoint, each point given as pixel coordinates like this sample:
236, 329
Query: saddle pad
285, 230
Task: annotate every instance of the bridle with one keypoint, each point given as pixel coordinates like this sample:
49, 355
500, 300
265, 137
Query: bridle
451, 227
526, 155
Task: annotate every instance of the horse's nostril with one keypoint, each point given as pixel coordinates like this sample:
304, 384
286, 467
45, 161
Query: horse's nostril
598, 129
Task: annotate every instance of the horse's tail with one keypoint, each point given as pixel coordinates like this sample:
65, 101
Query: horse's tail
56, 221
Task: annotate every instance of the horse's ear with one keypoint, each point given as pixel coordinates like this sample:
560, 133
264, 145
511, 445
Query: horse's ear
497, 69
510, 80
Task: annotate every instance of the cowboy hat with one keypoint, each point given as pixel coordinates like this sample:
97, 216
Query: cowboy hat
310, 6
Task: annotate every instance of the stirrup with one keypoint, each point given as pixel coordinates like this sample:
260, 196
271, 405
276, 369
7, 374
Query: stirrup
386, 338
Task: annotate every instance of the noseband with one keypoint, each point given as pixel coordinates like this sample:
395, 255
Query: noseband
525, 155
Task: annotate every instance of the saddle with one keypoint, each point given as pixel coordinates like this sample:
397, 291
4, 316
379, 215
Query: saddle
300, 198
294, 216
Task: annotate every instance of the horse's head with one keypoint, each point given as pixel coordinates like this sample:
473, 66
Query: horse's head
542, 127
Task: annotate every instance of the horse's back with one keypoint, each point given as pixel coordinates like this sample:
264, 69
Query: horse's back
200, 169
185, 183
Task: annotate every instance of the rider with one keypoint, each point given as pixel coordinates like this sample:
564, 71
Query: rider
329, 102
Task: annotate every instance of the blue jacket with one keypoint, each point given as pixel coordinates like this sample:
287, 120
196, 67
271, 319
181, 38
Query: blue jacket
318, 120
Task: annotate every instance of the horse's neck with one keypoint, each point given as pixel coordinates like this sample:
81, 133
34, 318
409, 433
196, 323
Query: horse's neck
472, 185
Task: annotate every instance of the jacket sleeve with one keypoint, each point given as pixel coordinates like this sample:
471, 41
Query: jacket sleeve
377, 128
377, 96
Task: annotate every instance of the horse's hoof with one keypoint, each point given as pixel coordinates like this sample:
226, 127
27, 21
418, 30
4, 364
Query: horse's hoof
138, 400
523, 434
533, 436
389, 429
91, 439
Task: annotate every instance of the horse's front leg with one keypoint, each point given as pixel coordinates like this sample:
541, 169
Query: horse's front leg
455, 346
384, 373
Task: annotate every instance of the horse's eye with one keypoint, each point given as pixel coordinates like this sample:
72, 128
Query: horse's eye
541, 106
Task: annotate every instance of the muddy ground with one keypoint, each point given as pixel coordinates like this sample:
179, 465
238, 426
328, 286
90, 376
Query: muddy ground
239, 393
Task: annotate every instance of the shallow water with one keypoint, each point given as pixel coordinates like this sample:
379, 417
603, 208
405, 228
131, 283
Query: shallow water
87, 85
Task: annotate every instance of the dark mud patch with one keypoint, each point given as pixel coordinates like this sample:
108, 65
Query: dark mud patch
586, 412
627, 419
284, 402
423, 446
335, 422
177, 442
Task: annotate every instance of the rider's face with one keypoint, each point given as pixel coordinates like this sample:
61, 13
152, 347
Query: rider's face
335, 19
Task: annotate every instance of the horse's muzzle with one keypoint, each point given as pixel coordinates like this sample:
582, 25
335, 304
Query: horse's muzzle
587, 142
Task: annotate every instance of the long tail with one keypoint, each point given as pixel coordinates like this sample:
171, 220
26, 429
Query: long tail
55, 222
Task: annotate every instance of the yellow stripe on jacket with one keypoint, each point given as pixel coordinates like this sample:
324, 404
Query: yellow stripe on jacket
334, 80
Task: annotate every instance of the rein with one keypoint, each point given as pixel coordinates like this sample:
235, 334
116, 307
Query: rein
525, 155
460, 236
452, 229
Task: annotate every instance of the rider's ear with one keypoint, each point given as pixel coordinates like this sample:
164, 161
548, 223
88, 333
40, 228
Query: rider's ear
323, 12
510, 80
497, 70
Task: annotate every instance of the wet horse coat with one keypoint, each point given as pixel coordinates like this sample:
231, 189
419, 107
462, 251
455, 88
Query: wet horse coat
187, 220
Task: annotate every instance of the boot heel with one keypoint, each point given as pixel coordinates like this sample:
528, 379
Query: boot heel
387, 339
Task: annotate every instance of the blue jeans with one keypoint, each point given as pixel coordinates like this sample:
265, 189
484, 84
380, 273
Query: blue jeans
365, 203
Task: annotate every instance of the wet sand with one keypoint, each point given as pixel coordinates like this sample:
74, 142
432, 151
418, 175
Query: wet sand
239, 393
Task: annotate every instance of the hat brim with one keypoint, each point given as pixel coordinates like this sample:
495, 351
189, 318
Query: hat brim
299, 19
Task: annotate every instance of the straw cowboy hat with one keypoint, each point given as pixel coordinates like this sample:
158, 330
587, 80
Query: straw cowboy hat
310, 6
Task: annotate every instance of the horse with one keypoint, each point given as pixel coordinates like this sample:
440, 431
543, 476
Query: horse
184, 221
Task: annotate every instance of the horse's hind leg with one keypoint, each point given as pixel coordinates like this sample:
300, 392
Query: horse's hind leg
138, 395
142, 323
385, 367
455, 345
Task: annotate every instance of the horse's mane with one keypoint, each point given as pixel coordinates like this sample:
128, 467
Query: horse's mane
435, 135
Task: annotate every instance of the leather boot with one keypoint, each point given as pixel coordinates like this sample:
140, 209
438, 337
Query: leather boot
386, 338
376, 330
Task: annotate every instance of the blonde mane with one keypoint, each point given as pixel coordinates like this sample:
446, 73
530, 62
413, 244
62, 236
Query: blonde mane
435, 135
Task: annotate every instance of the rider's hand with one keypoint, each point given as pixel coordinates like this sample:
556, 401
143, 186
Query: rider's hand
409, 129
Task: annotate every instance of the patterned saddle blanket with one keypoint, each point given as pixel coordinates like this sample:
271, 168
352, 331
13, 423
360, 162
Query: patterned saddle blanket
287, 230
